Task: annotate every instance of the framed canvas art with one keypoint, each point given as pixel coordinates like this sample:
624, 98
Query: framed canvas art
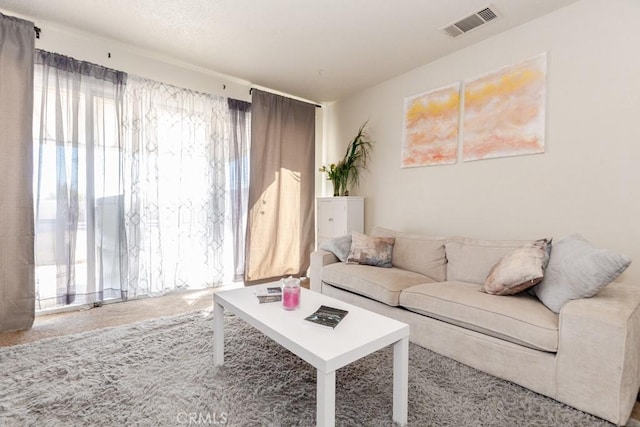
430, 128
504, 111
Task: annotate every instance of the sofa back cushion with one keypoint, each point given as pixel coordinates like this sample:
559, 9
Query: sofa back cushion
418, 253
471, 260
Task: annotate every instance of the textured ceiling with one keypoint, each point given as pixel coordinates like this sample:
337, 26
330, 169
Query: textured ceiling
318, 50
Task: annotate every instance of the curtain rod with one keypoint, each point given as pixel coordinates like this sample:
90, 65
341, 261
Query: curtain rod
38, 30
317, 105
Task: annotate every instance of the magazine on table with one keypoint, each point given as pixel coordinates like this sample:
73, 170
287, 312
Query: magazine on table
269, 294
327, 316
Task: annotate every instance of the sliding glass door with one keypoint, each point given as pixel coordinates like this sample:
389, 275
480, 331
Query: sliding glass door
140, 187
77, 185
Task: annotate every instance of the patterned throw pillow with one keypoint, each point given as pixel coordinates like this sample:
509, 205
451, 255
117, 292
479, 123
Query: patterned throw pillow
370, 250
518, 270
340, 246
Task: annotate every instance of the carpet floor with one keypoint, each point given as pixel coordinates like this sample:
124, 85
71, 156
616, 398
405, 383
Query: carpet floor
160, 373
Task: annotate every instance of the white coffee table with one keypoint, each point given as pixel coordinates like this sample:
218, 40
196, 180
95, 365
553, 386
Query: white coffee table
360, 333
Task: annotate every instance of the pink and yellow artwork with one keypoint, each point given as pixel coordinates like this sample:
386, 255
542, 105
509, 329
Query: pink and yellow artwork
504, 111
430, 130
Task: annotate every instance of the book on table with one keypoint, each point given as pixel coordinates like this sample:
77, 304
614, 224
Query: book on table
327, 316
269, 294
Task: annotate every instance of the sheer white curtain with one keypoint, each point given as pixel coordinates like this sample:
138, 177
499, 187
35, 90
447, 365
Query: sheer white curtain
177, 202
134, 187
239, 146
77, 184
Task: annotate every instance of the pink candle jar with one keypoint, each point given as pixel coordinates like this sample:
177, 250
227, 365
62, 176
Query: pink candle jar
290, 293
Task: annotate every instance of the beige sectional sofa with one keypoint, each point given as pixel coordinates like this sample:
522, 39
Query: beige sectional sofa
587, 356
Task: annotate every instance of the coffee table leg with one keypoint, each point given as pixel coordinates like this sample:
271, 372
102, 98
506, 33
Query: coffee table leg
218, 335
401, 381
326, 399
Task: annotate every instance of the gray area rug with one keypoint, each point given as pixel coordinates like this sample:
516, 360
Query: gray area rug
160, 373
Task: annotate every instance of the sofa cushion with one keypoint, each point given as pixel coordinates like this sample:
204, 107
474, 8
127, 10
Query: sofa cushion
416, 252
471, 260
520, 319
381, 284
578, 270
518, 270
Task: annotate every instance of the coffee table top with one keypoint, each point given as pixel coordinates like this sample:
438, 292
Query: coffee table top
360, 333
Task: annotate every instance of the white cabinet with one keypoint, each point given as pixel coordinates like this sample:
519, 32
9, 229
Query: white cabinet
337, 216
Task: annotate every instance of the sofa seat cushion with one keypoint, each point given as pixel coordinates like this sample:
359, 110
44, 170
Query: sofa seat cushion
521, 319
381, 284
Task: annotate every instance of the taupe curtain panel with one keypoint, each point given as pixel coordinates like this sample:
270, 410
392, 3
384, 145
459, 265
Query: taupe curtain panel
17, 287
280, 222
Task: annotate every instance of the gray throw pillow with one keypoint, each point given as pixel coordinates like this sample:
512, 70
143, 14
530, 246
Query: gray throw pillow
577, 270
340, 246
518, 270
368, 250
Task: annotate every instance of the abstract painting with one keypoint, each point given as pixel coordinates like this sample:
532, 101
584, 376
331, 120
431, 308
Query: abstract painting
504, 111
430, 129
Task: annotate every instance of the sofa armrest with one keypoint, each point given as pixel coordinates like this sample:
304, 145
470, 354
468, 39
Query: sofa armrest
598, 360
319, 259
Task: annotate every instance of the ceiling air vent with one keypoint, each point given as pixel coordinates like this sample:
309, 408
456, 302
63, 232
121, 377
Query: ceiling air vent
471, 22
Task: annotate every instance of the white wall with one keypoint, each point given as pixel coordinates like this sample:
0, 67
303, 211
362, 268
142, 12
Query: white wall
587, 181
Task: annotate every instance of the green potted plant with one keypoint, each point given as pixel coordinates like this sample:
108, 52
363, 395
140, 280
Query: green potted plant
347, 171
